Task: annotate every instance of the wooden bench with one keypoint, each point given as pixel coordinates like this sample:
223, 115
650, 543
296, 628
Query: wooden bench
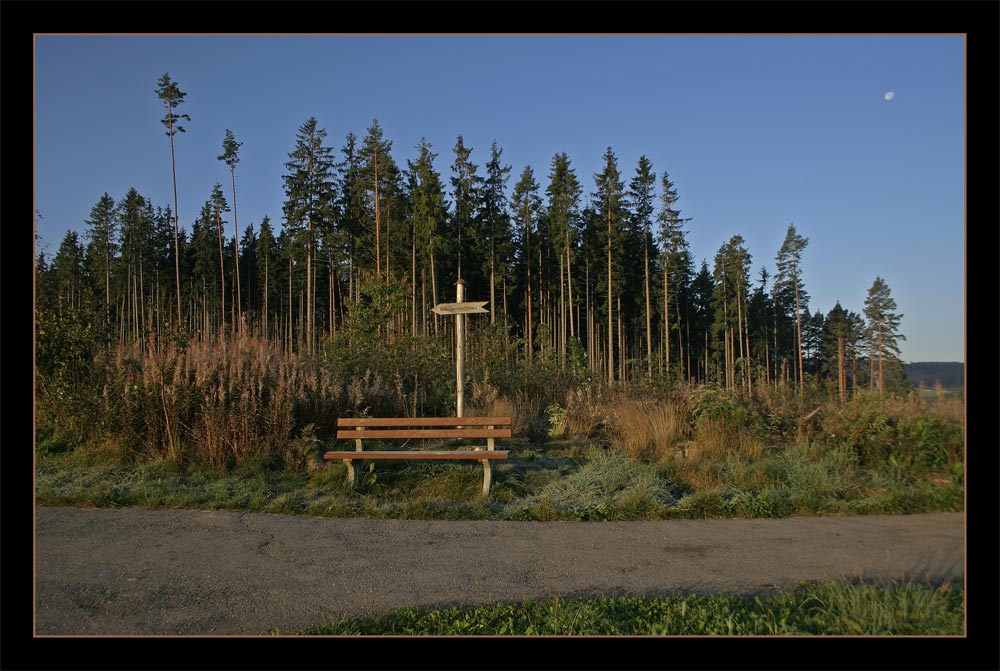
423, 428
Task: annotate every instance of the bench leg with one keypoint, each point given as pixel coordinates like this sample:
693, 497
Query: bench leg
349, 463
487, 475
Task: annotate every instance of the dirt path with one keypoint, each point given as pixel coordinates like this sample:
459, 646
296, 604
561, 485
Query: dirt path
137, 571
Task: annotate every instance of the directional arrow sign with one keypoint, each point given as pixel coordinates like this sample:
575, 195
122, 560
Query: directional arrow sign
459, 308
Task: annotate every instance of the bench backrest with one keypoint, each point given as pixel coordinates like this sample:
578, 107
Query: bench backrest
430, 427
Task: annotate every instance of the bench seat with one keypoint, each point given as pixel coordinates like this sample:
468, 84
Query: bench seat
422, 428
418, 454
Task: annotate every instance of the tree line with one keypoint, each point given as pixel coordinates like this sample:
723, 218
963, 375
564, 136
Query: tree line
596, 274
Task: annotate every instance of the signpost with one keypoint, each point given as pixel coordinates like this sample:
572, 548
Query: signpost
459, 309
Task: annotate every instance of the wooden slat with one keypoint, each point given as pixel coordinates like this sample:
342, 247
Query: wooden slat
428, 434
417, 454
423, 421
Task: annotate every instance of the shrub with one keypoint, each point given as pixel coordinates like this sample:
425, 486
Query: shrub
863, 426
926, 443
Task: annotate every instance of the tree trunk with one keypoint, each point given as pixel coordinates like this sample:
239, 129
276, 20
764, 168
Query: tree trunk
222, 278
611, 336
871, 366
527, 257
378, 225
841, 372
493, 317
333, 296
649, 317
505, 313
413, 284
621, 344
177, 251
569, 286
266, 275
798, 329
881, 377
666, 315
562, 313
590, 319
434, 292
236, 247
739, 335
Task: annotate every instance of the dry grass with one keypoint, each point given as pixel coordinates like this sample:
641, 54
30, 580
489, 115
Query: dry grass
649, 430
220, 404
527, 415
946, 407
715, 439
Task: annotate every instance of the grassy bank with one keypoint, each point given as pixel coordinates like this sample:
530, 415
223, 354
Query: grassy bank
836, 608
560, 481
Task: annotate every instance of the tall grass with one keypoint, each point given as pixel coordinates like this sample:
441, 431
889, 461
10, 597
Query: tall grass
221, 404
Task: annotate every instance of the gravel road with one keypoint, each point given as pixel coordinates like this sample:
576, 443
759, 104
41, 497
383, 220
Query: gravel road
135, 571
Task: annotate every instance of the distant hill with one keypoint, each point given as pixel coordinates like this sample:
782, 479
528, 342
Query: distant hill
951, 373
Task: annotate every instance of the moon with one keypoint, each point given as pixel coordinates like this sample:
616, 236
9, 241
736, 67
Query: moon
889, 95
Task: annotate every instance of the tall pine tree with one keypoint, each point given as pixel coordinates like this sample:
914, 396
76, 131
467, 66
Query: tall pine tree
231, 156
789, 290
172, 96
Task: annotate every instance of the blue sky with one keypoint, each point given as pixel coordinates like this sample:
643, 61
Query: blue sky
756, 132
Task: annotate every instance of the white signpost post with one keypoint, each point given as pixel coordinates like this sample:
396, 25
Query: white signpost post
460, 309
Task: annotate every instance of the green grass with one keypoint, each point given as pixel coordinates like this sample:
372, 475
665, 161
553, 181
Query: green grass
564, 481
892, 608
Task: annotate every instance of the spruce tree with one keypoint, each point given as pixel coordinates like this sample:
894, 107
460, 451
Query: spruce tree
266, 246
309, 205
101, 247
428, 211
136, 228
563, 221
731, 275
609, 205
526, 205
466, 193
641, 197
701, 319
883, 331
835, 334
379, 186
495, 238
67, 270
248, 259
677, 271
351, 209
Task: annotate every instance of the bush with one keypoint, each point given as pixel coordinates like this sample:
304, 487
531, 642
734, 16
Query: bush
863, 426
927, 443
